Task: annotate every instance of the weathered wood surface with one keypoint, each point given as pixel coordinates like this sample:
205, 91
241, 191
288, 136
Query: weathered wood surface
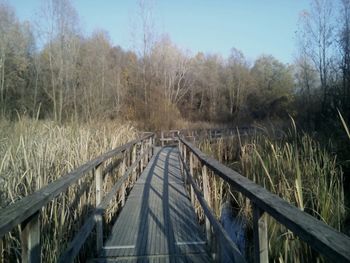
321, 237
261, 243
80, 238
158, 222
30, 239
228, 248
16, 213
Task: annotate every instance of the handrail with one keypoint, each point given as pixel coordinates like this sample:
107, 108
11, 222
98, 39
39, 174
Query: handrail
27, 206
170, 136
321, 237
221, 233
85, 230
26, 210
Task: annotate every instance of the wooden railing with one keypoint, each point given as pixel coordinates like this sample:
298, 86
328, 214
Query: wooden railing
170, 137
321, 237
26, 211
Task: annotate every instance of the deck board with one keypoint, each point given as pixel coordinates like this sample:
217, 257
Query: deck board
158, 222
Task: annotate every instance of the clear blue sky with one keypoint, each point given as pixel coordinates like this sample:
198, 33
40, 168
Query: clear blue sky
254, 26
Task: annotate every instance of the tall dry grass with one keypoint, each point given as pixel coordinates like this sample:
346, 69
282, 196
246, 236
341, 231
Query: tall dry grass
35, 153
297, 169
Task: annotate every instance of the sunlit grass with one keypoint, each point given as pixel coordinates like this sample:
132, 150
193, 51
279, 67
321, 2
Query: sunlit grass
294, 167
35, 153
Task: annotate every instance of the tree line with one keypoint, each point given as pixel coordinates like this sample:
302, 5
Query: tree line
49, 69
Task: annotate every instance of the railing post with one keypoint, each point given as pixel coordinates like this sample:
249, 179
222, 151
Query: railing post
2, 250
30, 239
133, 159
142, 160
260, 235
162, 138
207, 199
98, 217
150, 148
122, 171
192, 174
184, 158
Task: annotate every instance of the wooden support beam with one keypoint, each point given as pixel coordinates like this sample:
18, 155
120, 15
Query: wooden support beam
261, 247
98, 217
206, 194
30, 239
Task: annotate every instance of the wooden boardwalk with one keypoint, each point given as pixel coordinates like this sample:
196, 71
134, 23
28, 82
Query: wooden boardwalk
158, 222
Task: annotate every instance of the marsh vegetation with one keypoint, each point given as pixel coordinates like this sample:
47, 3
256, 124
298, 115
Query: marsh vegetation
67, 96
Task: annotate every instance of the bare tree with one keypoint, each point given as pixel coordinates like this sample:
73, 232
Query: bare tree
307, 82
344, 42
59, 26
171, 66
318, 40
100, 77
238, 80
145, 47
15, 50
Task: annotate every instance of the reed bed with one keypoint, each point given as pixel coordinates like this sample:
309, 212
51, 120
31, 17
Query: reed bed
35, 153
294, 167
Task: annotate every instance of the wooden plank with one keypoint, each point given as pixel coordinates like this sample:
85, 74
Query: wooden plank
261, 249
318, 235
30, 239
16, 213
181, 258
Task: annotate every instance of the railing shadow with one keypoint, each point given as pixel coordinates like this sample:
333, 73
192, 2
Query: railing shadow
147, 214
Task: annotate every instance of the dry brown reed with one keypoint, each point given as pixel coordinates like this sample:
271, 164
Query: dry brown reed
294, 167
35, 153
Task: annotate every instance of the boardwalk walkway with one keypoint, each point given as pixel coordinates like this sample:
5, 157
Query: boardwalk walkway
158, 222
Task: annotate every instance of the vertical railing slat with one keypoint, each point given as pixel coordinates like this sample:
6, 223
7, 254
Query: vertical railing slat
142, 159
98, 217
122, 171
30, 239
133, 159
207, 199
2, 250
149, 153
162, 138
184, 150
192, 174
260, 235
